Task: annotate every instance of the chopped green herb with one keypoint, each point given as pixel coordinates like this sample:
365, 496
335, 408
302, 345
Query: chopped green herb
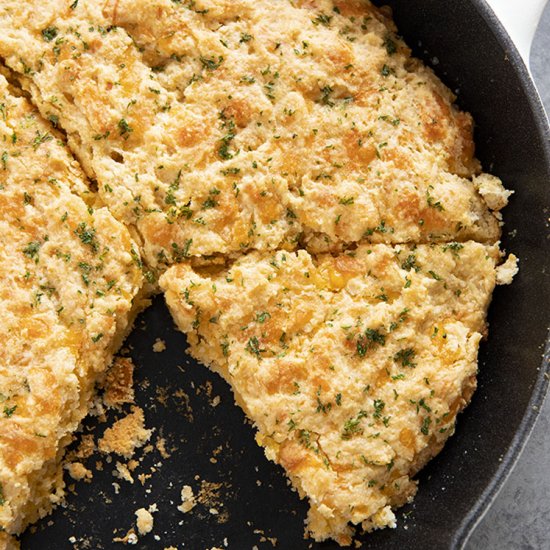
87, 236
31, 250
304, 437
435, 276
178, 254
209, 203
347, 200
432, 203
253, 347
352, 426
425, 429
455, 248
390, 45
380, 229
322, 19
378, 408
231, 171
225, 348
262, 317
210, 63
124, 128
368, 340
226, 140
424, 406
323, 407
410, 263
54, 119
326, 92
49, 34
40, 139
405, 357
8, 411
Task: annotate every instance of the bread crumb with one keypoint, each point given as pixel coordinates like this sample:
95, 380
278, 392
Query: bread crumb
211, 498
119, 383
143, 478
161, 447
144, 521
507, 271
85, 449
129, 538
493, 192
159, 345
187, 499
78, 471
126, 434
122, 472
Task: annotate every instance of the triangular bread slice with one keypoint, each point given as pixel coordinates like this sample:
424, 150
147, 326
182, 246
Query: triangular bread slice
216, 127
352, 367
69, 284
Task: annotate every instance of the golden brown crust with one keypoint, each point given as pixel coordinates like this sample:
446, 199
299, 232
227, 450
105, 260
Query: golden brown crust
353, 367
67, 284
220, 127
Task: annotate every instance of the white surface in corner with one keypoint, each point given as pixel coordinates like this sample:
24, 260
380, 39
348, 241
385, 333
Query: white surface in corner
520, 18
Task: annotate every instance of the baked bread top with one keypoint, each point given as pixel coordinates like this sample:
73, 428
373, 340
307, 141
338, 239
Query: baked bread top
68, 281
353, 367
334, 238
215, 127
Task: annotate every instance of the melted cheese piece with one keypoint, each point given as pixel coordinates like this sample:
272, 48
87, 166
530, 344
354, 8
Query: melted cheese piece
217, 127
353, 368
67, 287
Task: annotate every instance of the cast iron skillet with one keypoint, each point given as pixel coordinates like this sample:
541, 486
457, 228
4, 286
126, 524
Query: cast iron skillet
477, 57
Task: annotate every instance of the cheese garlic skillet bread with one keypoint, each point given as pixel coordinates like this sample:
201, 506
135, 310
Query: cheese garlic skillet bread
217, 126
68, 286
352, 367
334, 238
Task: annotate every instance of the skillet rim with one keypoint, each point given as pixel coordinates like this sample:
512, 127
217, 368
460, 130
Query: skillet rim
541, 384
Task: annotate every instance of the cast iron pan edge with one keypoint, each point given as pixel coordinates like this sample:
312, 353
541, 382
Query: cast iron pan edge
541, 386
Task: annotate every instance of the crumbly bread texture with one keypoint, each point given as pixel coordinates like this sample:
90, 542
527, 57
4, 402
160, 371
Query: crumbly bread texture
217, 126
67, 287
126, 435
308, 193
352, 367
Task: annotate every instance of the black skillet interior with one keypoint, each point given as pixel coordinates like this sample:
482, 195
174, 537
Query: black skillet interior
215, 444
